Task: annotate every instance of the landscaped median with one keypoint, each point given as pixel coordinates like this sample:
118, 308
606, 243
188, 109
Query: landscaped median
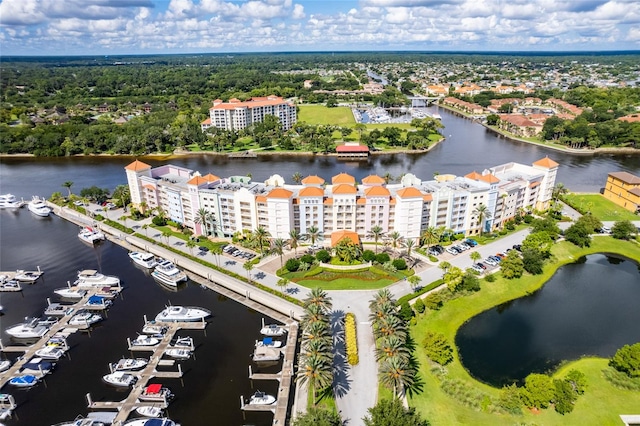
351, 338
463, 400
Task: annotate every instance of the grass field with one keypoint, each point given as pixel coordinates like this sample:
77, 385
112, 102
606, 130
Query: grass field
601, 404
319, 114
599, 206
345, 280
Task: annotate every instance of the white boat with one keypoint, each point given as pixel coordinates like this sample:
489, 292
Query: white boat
178, 353
81, 421
92, 278
98, 302
58, 310
261, 398
155, 393
9, 201
144, 259
90, 235
154, 329
168, 273
71, 292
85, 319
182, 314
268, 342
39, 207
120, 379
5, 364
7, 284
184, 342
27, 276
273, 330
129, 364
149, 411
38, 367
263, 353
144, 340
30, 328
24, 381
108, 292
151, 422
52, 353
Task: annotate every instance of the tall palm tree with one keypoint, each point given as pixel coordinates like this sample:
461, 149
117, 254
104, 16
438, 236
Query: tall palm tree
277, 247
396, 239
381, 297
376, 232
166, 235
297, 177
381, 311
482, 212
414, 280
261, 234
409, 244
316, 373
283, 282
204, 217
397, 375
388, 178
68, 184
392, 347
391, 325
430, 236
313, 233
558, 191
248, 266
217, 251
445, 266
317, 347
294, 239
190, 245
475, 256
318, 330
320, 298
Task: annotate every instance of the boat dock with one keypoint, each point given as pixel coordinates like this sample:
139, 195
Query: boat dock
245, 154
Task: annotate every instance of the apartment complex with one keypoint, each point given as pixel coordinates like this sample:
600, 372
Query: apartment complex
237, 115
623, 188
408, 207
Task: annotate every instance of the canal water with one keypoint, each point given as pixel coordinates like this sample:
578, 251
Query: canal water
209, 392
587, 308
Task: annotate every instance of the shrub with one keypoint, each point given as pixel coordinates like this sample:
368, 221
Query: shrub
351, 338
368, 256
490, 278
159, 221
406, 313
433, 301
510, 226
323, 256
292, 265
304, 266
433, 259
538, 390
388, 266
510, 400
172, 223
307, 258
470, 282
382, 258
419, 306
565, 397
437, 348
627, 360
313, 272
399, 264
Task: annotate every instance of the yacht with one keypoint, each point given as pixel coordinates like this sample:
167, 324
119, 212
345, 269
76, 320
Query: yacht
52, 353
182, 314
178, 353
7, 284
129, 364
90, 235
73, 293
144, 340
24, 381
4, 365
27, 276
120, 379
151, 422
263, 353
268, 342
261, 398
85, 319
156, 330
38, 367
39, 207
167, 273
30, 328
96, 302
155, 393
9, 201
144, 259
273, 330
82, 421
149, 411
92, 278
58, 310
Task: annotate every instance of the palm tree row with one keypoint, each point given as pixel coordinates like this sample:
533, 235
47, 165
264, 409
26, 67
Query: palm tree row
316, 359
393, 350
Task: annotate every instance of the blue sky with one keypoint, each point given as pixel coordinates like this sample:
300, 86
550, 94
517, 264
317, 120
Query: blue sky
78, 27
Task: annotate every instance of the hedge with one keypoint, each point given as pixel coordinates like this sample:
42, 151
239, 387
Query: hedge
351, 338
423, 290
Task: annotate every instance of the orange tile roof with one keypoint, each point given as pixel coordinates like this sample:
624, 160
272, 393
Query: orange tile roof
343, 178
196, 180
261, 199
409, 192
207, 121
210, 178
489, 178
344, 189
534, 184
311, 191
328, 201
392, 201
373, 180
546, 162
149, 186
280, 193
626, 177
251, 103
361, 201
427, 197
379, 191
338, 236
473, 175
312, 180
137, 166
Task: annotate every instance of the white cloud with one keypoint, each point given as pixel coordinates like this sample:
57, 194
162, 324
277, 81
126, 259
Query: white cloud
21, 12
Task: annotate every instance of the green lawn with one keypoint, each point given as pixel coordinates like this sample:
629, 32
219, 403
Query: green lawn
601, 404
599, 206
319, 114
344, 280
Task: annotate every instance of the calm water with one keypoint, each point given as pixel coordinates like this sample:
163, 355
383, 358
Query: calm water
587, 308
213, 382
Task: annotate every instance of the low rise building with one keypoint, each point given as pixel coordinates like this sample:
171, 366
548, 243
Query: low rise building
623, 188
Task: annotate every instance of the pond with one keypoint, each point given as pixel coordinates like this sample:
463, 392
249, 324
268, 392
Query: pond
589, 307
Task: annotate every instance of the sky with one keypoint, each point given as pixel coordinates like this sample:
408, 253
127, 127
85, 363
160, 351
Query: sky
110, 27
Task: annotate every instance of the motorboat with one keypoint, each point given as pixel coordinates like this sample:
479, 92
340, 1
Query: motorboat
144, 340
263, 353
39, 207
58, 310
91, 278
120, 379
144, 259
98, 302
57, 341
9, 201
149, 411
129, 364
273, 330
182, 314
90, 235
261, 398
27, 276
82, 421
168, 273
154, 329
268, 342
85, 319
108, 292
72, 293
7, 284
178, 353
51, 353
24, 381
5, 364
30, 328
151, 422
155, 393
184, 342
38, 367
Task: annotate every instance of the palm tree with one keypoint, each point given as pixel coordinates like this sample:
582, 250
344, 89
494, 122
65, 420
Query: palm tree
558, 191
391, 325
475, 256
376, 232
381, 297
380, 312
283, 282
278, 246
317, 347
68, 184
204, 217
294, 239
316, 373
445, 266
414, 280
346, 250
392, 347
430, 236
248, 266
320, 298
388, 177
396, 239
260, 234
166, 235
191, 244
313, 233
318, 329
146, 227
482, 212
217, 250
397, 375
297, 177
409, 246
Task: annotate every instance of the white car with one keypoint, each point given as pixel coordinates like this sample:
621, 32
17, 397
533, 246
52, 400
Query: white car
491, 262
453, 251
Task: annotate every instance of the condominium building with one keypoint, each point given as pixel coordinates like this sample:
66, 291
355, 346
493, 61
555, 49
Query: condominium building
238, 115
409, 207
623, 188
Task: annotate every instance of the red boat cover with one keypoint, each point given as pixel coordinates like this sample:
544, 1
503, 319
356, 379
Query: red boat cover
154, 388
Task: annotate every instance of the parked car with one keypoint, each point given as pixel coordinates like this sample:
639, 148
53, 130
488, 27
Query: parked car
517, 247
482, 265
453, 251
471, 242
477, 268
